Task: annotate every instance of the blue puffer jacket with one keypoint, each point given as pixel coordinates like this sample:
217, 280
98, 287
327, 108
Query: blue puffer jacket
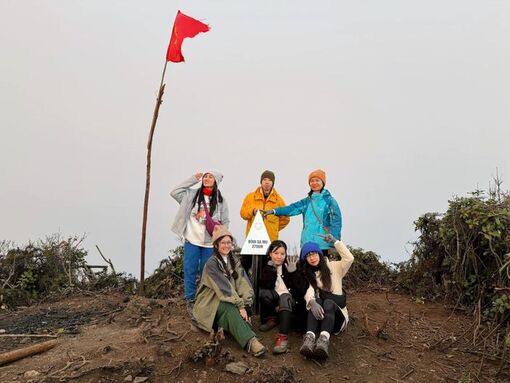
326, 208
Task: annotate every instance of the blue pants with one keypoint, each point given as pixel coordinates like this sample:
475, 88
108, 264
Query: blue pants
195, 258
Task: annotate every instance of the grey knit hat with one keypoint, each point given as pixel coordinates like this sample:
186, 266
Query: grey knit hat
217, 175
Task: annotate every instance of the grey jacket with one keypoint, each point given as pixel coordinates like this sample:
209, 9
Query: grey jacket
184, 195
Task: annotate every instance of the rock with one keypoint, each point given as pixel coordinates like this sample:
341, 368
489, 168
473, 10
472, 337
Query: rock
31, 374
140, 379
106, 349
128, 378
238, 368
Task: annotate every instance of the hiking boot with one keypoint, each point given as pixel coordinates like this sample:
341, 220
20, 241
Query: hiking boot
308, 345
255, 348
321, 347
281, 345
189, 307
270, 324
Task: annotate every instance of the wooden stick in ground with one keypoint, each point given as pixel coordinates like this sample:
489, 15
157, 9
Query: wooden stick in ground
12, 356
148, 181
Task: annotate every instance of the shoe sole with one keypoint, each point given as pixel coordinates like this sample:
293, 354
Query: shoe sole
257, 354
308, 352
320, 353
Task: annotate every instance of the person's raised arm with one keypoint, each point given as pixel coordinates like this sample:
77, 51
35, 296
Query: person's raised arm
180, 190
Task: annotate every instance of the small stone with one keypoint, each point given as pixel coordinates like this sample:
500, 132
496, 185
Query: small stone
31, 374
128, 378
106, 349
238, 368
140, 379
346, 377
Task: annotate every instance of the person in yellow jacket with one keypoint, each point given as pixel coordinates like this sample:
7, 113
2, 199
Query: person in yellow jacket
265, 197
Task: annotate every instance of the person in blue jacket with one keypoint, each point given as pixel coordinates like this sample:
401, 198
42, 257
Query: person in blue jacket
320, 211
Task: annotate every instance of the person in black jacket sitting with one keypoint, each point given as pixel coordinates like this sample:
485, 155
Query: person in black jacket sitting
282, 289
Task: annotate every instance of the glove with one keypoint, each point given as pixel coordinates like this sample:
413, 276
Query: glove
291, 263
265, 213
317, 310
329, 238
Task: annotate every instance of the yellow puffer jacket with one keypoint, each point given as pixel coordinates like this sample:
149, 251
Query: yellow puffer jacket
255, 200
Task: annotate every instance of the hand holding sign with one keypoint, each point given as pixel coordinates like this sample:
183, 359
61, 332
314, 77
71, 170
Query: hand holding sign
265, 213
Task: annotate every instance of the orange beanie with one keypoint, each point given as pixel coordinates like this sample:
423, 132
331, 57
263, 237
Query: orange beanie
319, 173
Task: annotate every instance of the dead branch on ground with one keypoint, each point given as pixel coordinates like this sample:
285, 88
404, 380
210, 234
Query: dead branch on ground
12, 356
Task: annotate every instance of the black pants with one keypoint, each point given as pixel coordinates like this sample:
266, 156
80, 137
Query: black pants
333, 317
269, 301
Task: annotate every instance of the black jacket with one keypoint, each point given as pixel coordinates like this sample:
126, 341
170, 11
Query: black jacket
296, 282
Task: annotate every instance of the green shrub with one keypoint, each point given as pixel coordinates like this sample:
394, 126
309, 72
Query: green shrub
167, 279
367, 270
48, 267
463, 255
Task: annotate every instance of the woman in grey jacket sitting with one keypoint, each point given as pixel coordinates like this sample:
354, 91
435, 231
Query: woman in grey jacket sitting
190, 224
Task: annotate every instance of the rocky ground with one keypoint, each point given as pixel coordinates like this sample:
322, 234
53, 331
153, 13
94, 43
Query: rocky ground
111, 337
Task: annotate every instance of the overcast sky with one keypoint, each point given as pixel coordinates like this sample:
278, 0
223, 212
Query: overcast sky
403, 103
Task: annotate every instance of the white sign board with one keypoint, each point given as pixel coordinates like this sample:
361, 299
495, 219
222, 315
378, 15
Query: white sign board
257, 241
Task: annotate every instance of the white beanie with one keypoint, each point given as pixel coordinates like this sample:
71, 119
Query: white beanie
217, 175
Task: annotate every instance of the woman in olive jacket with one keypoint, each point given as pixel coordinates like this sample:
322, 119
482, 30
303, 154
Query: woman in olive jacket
225, 295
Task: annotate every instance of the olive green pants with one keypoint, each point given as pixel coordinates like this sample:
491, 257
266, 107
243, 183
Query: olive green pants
228, 317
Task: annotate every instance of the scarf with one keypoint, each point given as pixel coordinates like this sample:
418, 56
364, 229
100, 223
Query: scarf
207, 191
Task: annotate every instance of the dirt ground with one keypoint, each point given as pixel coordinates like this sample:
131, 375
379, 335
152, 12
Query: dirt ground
112, 337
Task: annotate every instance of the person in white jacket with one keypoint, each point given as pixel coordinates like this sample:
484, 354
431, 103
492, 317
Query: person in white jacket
325, 299
190, 224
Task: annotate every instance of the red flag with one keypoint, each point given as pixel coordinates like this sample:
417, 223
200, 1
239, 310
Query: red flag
184, 26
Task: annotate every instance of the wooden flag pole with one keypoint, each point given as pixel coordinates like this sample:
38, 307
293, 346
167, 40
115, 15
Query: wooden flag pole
159, 100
